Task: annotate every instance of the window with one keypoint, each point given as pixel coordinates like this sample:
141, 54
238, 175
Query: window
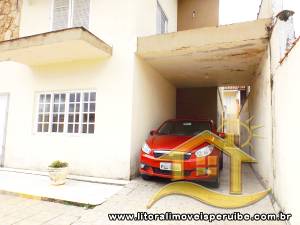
161, 20
183, 128
70, 13
72, 112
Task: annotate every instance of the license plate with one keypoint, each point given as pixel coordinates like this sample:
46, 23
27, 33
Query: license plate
165, 166
169, 166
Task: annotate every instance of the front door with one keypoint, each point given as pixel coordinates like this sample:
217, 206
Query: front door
3, 120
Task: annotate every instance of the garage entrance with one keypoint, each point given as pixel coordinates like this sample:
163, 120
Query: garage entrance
208, 67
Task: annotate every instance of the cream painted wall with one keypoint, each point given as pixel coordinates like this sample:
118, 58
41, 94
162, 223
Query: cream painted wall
35, 17
154, 101
115, 79
286, 128
259, 106
96, 154
146, 16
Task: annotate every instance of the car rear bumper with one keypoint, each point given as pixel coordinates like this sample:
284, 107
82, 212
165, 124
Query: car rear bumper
205, 169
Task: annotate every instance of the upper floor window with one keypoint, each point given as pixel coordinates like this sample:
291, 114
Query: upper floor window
161, 20
70, 13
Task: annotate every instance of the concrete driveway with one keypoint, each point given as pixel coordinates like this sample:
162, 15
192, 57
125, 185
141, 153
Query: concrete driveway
132, 198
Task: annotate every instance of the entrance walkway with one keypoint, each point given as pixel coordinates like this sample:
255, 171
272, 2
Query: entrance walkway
37, 186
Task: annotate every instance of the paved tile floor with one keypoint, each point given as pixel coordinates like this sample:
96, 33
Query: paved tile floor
73, 190
132, 198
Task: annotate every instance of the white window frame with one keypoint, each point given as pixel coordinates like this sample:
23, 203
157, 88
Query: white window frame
163, 14
66, 112
70, 13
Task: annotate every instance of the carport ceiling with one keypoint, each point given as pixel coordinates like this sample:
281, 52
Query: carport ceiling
211, 56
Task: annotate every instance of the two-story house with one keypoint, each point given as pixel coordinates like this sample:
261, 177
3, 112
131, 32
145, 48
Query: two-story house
85, 80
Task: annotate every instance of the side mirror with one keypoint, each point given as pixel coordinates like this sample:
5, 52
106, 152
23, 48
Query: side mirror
222, 134
152, 132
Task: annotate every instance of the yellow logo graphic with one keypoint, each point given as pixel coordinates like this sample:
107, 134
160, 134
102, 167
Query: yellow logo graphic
237, 157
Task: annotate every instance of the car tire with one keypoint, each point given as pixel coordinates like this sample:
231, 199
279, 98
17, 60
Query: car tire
146, 177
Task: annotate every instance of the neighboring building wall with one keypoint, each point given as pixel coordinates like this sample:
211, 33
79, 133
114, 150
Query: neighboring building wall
259, 106
197, 102
197, 13
9, 19
244, 132
286, 134
154, 101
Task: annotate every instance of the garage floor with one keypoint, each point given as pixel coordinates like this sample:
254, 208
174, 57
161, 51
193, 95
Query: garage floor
132, 198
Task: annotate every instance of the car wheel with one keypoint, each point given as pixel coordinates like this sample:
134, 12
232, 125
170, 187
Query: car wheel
146, 177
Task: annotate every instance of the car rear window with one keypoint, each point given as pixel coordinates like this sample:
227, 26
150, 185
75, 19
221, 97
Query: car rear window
183, 128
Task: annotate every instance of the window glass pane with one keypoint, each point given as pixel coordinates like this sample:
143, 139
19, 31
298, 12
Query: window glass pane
55, 108
55, 118
77, 107
71, 118
92, 107
61, 118
40, 127
61, 128
41, 108
40, 119
76, 128
91, 128
86, 97
86, 107
56, 98
70, 128
77, 118
62, 108
93, 96
84, 128
71, 108
46, 118
54, 127
92, 118
72, 97
78, 97
48, 98
85, 117
47, 108
62, 97
45, 128
42, 98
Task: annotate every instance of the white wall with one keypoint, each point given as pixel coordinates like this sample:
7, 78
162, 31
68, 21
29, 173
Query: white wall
286, 129
259, 107
154, 101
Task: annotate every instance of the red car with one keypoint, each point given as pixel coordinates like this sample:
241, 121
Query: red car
202, 163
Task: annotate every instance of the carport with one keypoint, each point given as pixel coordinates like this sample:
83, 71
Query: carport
212, 56
196, 63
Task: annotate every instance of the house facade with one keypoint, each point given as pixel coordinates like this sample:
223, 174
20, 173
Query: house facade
78, 106
84, 81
